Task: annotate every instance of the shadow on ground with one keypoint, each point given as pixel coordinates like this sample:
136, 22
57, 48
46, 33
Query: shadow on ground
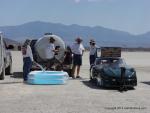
10, 82
17, 75
146, 82
94, 86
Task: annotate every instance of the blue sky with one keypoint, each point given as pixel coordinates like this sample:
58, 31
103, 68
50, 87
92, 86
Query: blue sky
127, 15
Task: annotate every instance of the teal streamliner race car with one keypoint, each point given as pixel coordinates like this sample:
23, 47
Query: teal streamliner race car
112, 72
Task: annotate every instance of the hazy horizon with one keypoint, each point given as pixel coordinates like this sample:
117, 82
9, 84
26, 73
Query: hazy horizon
125, 15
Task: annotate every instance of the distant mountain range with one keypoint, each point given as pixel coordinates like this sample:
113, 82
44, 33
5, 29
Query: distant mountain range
103, 36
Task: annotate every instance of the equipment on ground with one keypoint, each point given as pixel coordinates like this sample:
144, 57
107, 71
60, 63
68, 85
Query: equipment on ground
39, 47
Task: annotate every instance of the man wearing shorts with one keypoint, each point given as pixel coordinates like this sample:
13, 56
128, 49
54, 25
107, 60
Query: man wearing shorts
77, 49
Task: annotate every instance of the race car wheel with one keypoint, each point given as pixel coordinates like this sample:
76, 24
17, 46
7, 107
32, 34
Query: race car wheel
91, 79
99, 81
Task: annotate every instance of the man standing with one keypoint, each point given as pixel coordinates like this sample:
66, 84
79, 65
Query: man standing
27, 59
50, 53
77, 50
50, 49
93, 52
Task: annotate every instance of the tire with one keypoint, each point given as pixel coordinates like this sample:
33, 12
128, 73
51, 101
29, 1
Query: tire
2, 75
91, 78
8, 70
69, 71
99, 81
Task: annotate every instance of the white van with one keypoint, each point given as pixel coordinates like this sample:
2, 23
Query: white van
2, 64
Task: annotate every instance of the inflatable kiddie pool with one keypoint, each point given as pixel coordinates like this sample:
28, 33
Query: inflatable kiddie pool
47, 77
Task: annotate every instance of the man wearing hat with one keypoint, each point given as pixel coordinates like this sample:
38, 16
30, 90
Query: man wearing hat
77, 50
93, 52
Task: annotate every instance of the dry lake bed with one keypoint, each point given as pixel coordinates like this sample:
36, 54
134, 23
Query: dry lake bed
77, 96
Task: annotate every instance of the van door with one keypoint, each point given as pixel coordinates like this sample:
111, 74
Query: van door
2, 67
1, 61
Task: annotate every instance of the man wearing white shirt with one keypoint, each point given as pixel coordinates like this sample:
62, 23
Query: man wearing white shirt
93, 52
77, 50
27, 59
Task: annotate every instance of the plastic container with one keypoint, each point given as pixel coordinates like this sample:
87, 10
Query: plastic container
47, 77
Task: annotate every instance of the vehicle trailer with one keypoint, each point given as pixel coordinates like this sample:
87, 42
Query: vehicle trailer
39, 46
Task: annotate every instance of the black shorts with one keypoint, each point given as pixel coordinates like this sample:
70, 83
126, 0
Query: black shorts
77, 59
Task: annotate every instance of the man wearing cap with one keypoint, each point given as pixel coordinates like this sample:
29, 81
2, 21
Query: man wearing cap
77, 50
93, 52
